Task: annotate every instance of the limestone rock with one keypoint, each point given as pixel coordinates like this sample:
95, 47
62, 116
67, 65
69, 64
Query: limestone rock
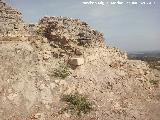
78, 52
69, 34
11, 23
158, 67
119, 88
63, 29
76, 61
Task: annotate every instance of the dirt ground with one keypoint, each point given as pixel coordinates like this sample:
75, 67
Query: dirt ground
120, 88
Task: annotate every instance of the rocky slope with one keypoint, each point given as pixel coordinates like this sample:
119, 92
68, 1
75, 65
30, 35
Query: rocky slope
120, 88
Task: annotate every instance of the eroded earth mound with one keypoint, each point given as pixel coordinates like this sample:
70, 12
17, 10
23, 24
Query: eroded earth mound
30, 90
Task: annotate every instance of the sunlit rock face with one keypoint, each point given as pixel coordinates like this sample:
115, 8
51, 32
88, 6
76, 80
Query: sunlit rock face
11, 23
120, 88
70, 30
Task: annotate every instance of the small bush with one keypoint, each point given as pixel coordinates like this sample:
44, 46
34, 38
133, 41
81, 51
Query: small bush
62, 72
77, 104
39, 32
154, 82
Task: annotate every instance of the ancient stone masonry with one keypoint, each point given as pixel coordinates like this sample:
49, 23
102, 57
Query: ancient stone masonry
60, 56
69, 35
11, 23
69, 30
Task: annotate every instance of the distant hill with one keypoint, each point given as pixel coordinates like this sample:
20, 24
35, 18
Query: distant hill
151, 57
145, 54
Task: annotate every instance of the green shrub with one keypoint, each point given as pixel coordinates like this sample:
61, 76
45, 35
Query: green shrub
40, 32
154, 82
77, 104
62, 72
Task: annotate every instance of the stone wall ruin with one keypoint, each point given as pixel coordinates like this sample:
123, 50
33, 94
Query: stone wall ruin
11, 23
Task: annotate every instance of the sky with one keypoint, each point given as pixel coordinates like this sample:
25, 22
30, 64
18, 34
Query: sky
127, 26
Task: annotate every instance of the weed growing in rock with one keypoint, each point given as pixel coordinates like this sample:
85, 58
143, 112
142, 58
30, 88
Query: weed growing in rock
154, 82
77, 104
62, 72
40, 32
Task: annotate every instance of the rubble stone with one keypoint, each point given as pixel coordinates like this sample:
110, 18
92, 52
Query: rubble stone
119, 88
64, 30
76, 61
11, 23
67, 34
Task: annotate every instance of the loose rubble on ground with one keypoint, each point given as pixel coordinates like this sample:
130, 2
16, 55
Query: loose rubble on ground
39, 63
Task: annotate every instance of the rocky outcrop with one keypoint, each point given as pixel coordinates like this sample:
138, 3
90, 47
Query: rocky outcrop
11, 23
65, 30
76, 61
68, 35
121, 89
